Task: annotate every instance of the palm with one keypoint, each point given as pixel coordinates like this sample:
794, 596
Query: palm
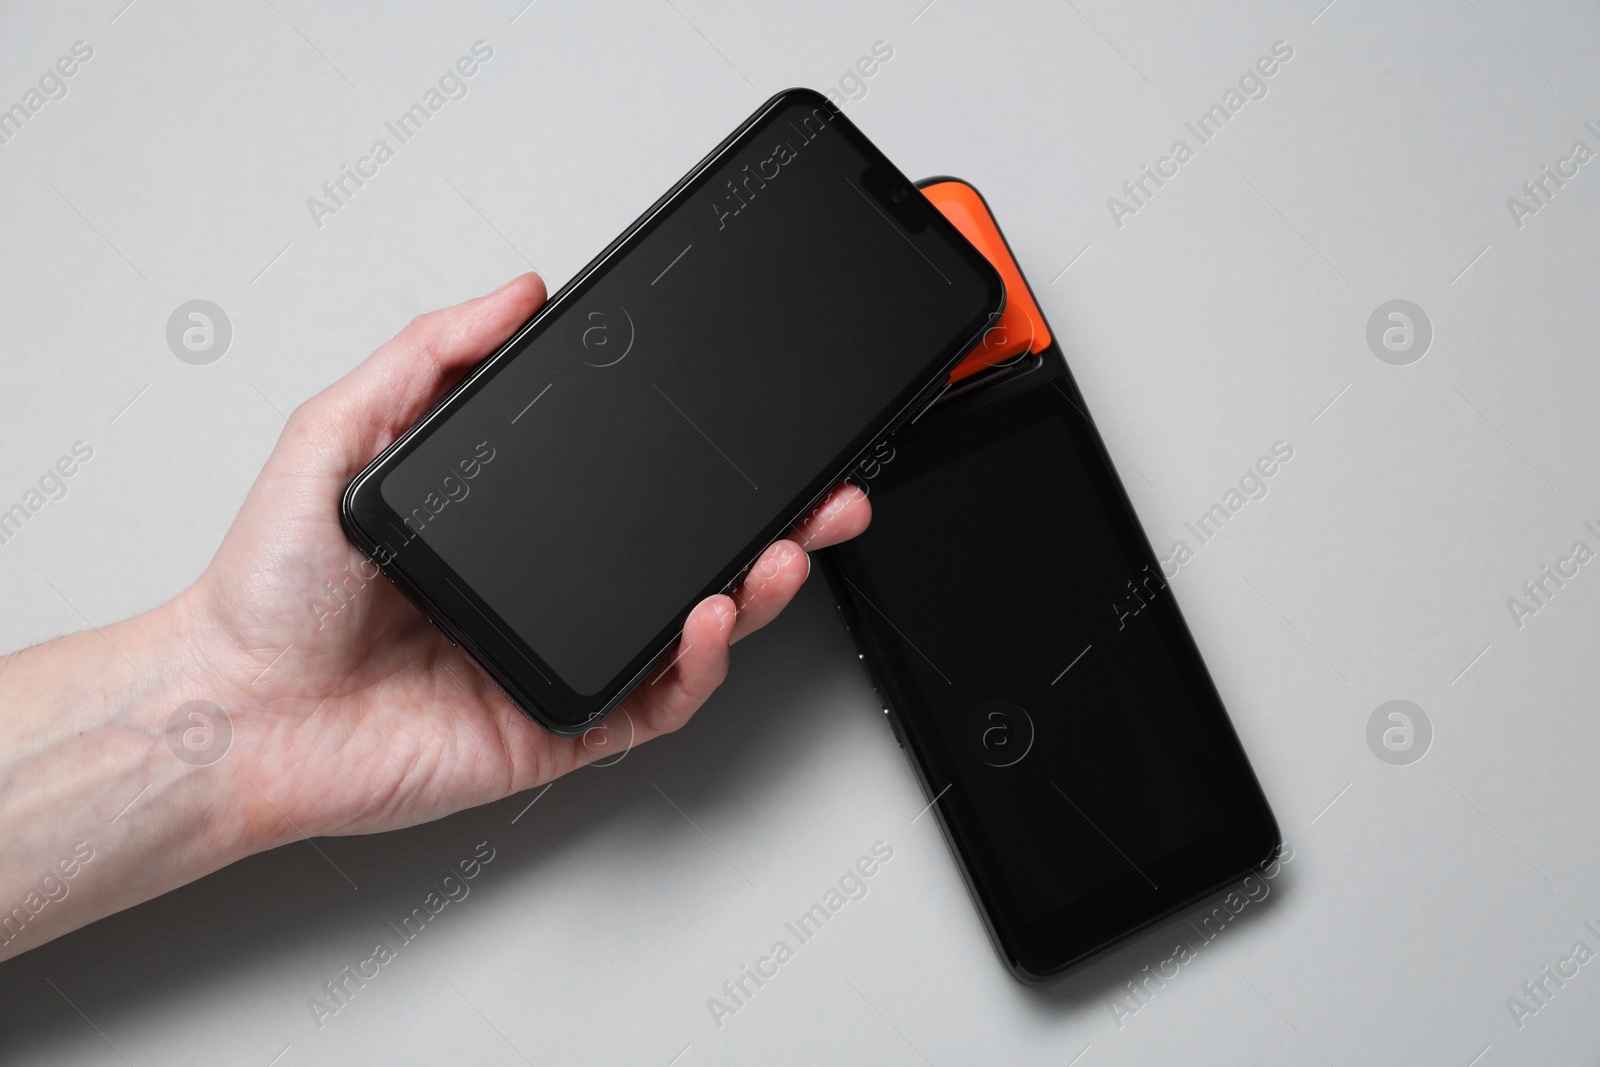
351, 713
356, 713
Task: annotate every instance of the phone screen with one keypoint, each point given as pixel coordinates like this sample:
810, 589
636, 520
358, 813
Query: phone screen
1042, 670
745, 343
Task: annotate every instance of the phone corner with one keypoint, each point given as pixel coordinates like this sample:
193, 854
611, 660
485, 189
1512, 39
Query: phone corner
1272, 843
798, 96
544, 721
1041, 974
997, 289
1032, 978
351, 506
944, 179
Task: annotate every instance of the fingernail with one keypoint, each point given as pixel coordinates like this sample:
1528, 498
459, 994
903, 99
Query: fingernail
514, 281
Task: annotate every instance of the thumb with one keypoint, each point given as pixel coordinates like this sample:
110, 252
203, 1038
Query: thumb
362, 413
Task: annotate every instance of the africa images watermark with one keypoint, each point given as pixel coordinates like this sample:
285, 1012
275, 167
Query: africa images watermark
338, 191
738, 991
1126, 607
1153, 978
852, 84
743, 194
51, 485
869, 467
1538, 191
1541, 589
333, 599
451, 489
1252, 485
51, 86
1143, 588
199, 332
1399, 733
1252, 85
338, 993
53, 887
1551, 979
199, 733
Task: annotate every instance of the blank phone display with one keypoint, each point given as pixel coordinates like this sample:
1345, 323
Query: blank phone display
647, 435
1044, 677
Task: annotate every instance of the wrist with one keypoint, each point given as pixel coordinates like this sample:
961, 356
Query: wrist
94, 779
193, 715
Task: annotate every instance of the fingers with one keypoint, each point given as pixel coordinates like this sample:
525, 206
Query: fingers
361, 414
668, 698
772, 582
843, 514
660, 704
782, 569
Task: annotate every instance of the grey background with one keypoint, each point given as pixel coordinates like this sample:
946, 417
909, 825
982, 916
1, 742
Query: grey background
1226, 315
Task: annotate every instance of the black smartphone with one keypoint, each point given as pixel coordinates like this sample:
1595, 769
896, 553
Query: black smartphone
1034, 665
674, 409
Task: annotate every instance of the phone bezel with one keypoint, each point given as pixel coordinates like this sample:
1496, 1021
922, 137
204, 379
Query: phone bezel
466, 618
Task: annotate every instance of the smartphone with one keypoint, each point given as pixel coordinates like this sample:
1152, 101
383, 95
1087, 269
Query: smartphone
674, 409
1035, 667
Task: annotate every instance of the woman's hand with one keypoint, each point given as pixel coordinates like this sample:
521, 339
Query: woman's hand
349, 712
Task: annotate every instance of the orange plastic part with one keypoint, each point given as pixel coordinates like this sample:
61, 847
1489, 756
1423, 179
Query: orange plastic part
1021, 327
